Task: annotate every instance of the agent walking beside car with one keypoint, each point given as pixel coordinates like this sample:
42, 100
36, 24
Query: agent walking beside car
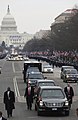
29, 93
9, 100
69, 93
77, 112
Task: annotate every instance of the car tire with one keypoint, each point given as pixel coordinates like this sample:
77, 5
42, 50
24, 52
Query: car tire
66, 113
38, 112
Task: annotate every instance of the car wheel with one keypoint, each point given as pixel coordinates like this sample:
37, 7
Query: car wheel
38, 112
66, 113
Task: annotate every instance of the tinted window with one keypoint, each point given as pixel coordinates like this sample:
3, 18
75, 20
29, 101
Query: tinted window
71, 71
52, 93
46, 84
35, 76
32, 69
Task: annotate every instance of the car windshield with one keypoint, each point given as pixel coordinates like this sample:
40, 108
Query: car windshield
32, 69
71, 71
46, 84
69, 67
47, 67
52, 93
35, 76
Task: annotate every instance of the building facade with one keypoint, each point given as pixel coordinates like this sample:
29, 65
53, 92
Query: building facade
66, 15
9, 33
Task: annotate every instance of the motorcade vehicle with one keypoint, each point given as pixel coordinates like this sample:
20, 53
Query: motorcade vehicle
51, 99
31, 63
43, 82
31, 69
46, 68
63, 68
70, 75
33, 77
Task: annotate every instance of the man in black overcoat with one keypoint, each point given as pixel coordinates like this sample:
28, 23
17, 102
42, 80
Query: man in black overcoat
69, 93
29, 93
9, 100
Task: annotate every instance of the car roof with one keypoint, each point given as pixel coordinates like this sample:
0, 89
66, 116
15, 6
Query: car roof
45, 80
69, 69
50, 87
35, 72
67, 66
31, 61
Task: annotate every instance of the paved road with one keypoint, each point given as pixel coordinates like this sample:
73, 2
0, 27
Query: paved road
12, 76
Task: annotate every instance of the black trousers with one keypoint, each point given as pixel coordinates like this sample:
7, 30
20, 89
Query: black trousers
29, 102
9, 112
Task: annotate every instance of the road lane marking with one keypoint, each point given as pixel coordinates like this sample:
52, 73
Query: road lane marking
13, 67
16, 87
17, 93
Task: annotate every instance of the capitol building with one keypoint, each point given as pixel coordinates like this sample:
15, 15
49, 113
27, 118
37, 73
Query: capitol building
9, 33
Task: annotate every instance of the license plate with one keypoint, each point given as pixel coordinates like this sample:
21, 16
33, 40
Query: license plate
54, 108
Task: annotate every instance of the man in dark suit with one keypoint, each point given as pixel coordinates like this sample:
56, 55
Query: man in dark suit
69, 93
9, 100
1, 117
29, 93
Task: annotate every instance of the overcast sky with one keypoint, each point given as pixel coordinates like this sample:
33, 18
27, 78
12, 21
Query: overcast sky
34, 15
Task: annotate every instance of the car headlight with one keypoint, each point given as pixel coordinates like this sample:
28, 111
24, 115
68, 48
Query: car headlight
45, 69
67, 76
66, 103
41, 103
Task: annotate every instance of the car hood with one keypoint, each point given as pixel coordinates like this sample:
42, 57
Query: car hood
54, 100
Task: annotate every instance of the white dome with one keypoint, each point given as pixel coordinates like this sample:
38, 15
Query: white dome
8, 22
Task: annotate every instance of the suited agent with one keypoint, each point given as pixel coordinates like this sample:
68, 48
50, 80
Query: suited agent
69, 94
29, 93
77, 112
9, 100
1, 117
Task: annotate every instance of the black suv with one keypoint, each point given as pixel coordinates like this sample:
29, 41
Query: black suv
63, 68
33, 77
51, 99
70, 75
44, 82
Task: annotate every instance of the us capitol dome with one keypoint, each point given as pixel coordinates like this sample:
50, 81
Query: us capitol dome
9, 34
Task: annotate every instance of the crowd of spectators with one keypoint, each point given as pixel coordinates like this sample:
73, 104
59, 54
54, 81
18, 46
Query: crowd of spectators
68, 57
